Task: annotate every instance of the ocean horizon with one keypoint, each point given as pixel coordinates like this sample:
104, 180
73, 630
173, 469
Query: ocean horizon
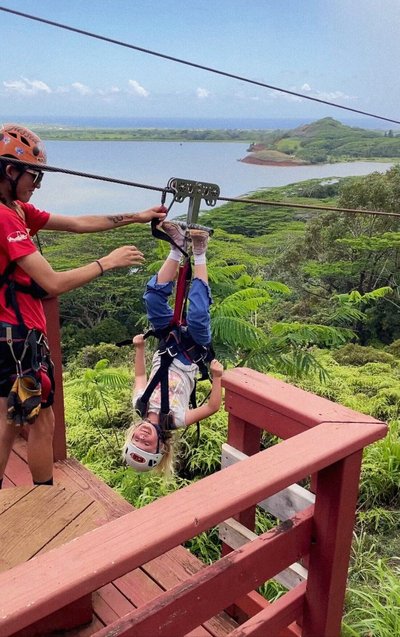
229, 123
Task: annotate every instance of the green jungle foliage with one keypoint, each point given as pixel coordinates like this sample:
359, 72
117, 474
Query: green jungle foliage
311, 298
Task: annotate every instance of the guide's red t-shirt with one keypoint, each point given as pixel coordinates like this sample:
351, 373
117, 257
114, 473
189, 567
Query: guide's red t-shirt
16, 242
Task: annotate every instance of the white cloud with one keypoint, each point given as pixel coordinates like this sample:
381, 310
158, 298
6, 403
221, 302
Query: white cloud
288, 97
202, 93
138, 89
26, 87
325, 95
82, 89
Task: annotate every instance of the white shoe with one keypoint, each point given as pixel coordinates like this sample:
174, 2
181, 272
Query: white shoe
199, 241
176, 230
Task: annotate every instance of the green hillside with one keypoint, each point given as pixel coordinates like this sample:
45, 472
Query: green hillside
325, 140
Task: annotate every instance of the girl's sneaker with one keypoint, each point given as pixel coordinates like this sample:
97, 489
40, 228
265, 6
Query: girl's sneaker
199, 241
176, 230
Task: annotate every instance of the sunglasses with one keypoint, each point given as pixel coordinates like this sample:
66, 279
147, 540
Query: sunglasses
37, 176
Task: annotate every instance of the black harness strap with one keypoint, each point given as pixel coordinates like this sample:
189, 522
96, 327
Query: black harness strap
166, 421
13, 287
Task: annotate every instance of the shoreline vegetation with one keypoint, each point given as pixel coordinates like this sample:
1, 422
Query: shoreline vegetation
324, 141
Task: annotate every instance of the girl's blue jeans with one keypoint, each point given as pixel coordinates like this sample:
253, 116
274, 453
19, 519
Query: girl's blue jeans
160, 313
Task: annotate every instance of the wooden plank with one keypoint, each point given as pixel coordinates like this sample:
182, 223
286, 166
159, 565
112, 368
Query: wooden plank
88, 519
9, 498
138, 587
254, 603
17, 471
214, 587
111, 604
34, 521
284, 504
236, 535
271, 621
178, 566
33, 589
71, 474
282, 402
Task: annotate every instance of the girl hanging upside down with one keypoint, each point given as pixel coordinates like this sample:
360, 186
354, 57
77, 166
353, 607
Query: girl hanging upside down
149, 443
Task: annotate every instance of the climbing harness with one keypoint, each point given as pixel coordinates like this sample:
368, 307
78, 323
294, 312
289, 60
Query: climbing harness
25, 398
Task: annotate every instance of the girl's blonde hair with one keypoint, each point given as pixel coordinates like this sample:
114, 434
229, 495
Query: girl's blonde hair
166, 466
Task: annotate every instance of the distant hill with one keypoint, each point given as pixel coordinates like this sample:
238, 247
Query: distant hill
325, 140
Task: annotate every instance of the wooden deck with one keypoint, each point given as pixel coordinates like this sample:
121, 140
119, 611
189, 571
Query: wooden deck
133, 589
169, 593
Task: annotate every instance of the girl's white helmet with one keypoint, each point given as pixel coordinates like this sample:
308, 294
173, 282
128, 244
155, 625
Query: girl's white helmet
140, 460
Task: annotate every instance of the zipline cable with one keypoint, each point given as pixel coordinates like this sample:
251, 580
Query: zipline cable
67, 171
194, 64
287, 204
166, 190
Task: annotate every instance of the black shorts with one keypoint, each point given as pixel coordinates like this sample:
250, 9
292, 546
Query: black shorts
8, 369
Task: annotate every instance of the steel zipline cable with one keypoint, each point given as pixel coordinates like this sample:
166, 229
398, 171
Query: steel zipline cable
194, 64
166, 190
219, 72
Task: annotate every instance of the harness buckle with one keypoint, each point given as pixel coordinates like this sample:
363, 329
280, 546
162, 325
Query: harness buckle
172, 351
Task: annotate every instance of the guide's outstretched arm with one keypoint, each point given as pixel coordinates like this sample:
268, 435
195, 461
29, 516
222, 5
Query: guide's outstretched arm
214, 402
140, 363
55, 283
99, 223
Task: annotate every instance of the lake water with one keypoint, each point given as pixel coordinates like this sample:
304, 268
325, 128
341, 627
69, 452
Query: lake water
153, 164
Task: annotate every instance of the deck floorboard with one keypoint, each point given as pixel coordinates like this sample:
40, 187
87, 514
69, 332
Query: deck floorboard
135, 588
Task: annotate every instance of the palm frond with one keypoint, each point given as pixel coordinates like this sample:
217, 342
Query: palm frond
241, 303
236, 332
301, 334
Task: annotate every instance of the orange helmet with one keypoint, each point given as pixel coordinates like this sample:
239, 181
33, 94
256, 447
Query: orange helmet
19, 142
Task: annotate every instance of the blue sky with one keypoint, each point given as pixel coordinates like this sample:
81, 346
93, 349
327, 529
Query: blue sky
344, 51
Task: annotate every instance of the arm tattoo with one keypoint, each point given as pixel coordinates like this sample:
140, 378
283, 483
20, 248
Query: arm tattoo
116, 219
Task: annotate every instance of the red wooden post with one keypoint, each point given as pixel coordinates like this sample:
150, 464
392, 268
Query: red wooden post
246, 438
335, 505
51, 308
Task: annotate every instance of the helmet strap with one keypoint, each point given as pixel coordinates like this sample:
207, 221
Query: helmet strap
14, 184
11, 181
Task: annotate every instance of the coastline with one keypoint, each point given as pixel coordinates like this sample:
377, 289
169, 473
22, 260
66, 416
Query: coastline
249, 159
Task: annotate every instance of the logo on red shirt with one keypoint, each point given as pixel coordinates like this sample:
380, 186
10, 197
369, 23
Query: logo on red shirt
17, 236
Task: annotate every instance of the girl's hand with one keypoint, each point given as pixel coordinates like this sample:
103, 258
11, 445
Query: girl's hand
216, 368
138, 340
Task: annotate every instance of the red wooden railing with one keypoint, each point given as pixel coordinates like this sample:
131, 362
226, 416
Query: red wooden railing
319, 438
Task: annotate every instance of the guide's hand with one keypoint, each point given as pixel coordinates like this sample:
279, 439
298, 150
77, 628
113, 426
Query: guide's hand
123, 257
157, 212
216, 368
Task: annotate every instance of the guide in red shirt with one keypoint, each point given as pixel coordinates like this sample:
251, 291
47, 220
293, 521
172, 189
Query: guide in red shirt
25, 278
